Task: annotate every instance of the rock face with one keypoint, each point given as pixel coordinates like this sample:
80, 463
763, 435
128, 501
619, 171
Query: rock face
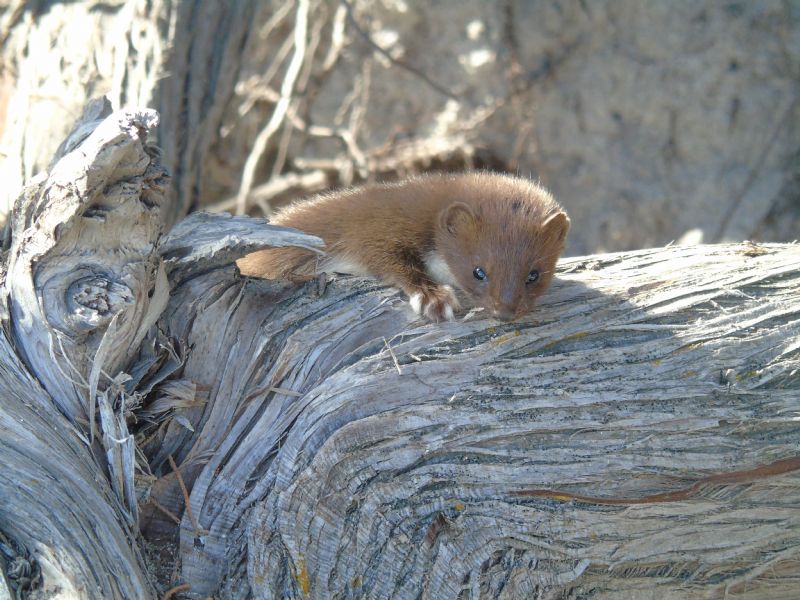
651, 122
663, 117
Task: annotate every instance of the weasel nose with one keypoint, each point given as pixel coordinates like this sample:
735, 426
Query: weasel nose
504, 312
505, 306
507, 296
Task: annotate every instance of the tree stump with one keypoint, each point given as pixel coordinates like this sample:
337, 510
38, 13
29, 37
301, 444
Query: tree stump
635, 436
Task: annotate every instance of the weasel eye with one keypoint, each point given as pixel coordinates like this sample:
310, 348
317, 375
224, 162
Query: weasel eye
532, 276
479, 273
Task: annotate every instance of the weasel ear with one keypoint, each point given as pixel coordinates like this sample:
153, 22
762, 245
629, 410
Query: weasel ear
556, 226
456, 217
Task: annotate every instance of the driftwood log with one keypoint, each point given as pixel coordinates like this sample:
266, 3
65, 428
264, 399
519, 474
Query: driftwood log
636, 436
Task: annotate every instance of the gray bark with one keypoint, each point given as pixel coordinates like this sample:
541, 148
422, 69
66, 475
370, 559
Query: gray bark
75, 298
636, 434
58, 55
83, 287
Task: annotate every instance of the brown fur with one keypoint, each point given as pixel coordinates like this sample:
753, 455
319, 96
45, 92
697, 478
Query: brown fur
506, 225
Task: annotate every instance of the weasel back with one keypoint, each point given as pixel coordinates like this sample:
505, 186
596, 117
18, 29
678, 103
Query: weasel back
429, 234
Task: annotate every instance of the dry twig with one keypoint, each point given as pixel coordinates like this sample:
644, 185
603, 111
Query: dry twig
195, 526
184, 587
264, 136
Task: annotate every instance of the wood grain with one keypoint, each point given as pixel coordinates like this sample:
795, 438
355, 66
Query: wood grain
635, 435
637, 432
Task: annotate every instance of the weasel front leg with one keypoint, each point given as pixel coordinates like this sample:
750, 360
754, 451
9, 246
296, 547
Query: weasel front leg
405, 268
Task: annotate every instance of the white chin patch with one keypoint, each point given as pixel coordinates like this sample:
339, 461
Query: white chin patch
438, 269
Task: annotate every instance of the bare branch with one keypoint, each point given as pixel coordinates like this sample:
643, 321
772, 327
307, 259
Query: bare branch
263, 138
414, 71
312, 181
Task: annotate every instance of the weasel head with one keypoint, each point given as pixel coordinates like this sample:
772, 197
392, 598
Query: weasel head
502, 249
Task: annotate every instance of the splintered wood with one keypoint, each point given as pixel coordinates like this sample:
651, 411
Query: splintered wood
636, 433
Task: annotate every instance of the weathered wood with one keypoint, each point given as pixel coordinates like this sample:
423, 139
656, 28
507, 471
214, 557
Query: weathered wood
55, 500
76, 296
635, 435
615, 441
83, 286
79, 265
137, 53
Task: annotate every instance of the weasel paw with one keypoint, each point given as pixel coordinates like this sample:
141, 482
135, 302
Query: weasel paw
437, 304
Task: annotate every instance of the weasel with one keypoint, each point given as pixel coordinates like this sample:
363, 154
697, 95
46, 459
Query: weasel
494, 237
